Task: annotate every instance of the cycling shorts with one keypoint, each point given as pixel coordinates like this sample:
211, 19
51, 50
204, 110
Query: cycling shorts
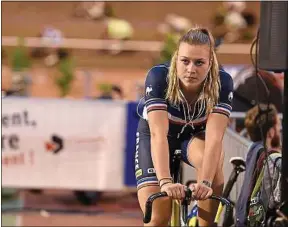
144, 169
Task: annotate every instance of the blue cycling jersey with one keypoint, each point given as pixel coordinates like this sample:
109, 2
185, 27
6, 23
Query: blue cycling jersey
182, 119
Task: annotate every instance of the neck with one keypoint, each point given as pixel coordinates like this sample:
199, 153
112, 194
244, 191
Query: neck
268, 143
191, 94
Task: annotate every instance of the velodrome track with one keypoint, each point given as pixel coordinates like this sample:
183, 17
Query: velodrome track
60, 208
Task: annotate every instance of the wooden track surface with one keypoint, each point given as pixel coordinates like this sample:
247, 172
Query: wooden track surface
60, 208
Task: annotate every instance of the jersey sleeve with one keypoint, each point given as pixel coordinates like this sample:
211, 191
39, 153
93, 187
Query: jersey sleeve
224, 105
155, 88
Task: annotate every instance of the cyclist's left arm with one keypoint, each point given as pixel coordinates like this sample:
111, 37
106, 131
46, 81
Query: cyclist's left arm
215, 129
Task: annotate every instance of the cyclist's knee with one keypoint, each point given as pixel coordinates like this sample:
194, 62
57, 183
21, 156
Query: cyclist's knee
161, 212
218, 183
161, 207
218, 179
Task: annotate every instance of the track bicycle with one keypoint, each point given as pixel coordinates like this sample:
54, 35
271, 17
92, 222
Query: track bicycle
179, 215
179, 218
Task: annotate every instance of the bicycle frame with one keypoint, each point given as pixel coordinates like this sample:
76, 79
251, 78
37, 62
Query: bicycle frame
176, 175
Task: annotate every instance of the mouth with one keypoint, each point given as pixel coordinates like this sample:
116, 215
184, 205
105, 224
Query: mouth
190, 78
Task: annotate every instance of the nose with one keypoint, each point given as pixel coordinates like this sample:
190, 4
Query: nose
191, 68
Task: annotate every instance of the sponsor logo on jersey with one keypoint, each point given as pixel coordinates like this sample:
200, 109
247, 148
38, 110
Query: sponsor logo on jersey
148, 90
230, 96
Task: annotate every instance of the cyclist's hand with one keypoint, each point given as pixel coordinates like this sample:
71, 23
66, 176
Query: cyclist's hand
200, 191
175, 191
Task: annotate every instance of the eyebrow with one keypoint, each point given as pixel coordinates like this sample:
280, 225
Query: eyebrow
202, 59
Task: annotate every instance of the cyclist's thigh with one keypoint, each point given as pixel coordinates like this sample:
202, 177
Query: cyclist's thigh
144, 169
193, 150
147, 182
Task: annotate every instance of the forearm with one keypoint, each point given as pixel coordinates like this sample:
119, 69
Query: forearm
160, 156
211, 160
215, 130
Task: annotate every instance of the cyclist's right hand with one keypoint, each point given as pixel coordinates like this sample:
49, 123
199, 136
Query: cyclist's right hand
175, 191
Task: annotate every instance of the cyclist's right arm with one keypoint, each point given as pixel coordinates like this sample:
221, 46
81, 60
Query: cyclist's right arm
157, 115
156, 107
158, 124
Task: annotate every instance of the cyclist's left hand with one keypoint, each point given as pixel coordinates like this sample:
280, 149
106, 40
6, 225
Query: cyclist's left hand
200, 191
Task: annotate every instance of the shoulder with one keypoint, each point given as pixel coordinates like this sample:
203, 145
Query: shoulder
226, 79
159, 71
157, 75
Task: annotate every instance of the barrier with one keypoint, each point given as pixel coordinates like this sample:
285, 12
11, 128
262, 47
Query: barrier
234, 145
54, 143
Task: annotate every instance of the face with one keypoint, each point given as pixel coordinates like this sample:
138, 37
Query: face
276, 139
192, 64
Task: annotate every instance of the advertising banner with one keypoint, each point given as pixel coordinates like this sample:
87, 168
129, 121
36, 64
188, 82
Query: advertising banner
54, 143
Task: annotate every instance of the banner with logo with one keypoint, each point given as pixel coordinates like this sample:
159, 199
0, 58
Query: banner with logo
54, 143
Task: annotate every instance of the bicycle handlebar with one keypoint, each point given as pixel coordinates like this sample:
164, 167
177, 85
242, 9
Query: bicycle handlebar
148, 206
148, 210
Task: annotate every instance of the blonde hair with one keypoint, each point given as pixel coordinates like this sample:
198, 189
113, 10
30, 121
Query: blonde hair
211, 86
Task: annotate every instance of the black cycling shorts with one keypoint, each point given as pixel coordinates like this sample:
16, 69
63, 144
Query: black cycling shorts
144, 169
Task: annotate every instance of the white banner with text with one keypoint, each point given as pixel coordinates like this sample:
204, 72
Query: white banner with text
59, 143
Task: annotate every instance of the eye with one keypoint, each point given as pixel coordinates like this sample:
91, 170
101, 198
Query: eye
185, 61
199, 63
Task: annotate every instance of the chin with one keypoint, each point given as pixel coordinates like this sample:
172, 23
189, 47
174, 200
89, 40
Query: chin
192, 85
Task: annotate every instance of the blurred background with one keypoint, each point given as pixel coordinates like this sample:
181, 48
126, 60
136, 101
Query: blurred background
72, 72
